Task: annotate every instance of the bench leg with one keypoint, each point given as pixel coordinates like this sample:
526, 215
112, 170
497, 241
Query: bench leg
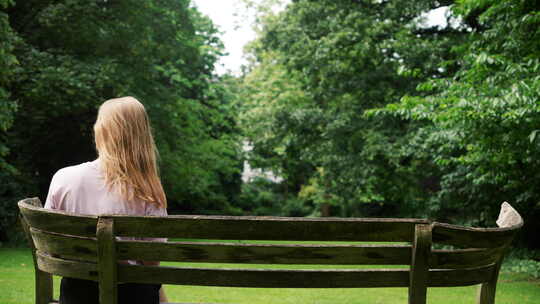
486, 291
44, 287
419, 273
43, 280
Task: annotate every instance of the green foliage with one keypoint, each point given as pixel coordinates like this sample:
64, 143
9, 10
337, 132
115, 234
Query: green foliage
417, 121
353, 103
317, 192
484, 119
8, 66
296, 207
529, 267
61, 59
319, 65
273, 103
524, 262
261, 196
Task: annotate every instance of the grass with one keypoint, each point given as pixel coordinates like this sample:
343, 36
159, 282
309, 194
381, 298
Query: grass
17, 287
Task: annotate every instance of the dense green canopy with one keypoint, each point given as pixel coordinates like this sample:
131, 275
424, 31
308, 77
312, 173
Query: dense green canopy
361, 105
320, 66
62, 59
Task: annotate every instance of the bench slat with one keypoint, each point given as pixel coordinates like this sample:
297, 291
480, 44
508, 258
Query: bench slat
86, 249
471, 237
265, 253
78, 248
464, 258
268, 228
58, 221
267, 278
258, 278
460, 277
279, 278
67, 268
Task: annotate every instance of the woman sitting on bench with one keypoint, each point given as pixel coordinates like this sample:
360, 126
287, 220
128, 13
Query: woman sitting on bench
122, 180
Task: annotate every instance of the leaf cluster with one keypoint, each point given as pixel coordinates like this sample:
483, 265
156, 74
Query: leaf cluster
319, 66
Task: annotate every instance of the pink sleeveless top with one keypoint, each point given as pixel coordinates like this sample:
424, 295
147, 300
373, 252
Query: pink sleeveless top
81, 189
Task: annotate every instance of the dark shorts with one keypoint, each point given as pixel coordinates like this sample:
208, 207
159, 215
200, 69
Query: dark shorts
76, 291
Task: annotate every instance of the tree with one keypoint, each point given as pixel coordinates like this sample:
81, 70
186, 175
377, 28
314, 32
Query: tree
319, 65
483, 120
8, 64
73, 55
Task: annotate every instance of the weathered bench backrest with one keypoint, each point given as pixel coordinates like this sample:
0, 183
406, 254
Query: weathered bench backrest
86, 247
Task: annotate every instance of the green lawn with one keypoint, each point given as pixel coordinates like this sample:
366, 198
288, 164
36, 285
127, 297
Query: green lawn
16, 287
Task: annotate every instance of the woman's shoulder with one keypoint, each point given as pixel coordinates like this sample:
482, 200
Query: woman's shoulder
76, 171
67, 182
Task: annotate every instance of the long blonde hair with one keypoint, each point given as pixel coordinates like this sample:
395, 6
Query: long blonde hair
127, 151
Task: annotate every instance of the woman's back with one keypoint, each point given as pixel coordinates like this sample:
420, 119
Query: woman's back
123, 180
81, 189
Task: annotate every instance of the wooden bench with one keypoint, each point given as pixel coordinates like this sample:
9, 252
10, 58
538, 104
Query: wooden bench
86, 247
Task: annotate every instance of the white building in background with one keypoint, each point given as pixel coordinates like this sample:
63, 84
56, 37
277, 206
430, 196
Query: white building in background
250, 173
